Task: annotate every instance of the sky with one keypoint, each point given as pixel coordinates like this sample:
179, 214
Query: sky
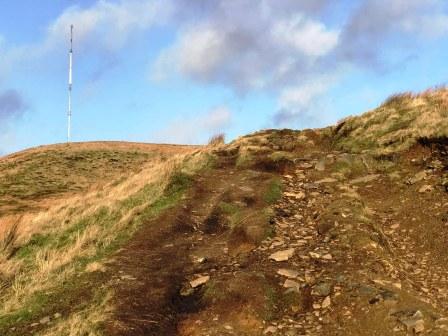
180, 71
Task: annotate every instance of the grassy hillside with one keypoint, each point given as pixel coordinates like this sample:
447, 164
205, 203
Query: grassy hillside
63, 209
397, 124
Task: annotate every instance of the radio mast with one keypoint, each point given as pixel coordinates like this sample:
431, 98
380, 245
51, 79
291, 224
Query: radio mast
69, 113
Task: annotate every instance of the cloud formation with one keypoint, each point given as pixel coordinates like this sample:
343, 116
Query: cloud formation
374, 23
282, 46
12, 105
249, 46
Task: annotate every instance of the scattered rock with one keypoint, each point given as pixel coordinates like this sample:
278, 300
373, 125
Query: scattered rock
288, 273
270, 330
282, 255
44, 320
299, 195
200, 260
292, 284
436, 164
414, 323
320, 166
305, 165
327, 180
425, 188
326, 302
199, 281
417, 178
327, 256
419, 326
309, 186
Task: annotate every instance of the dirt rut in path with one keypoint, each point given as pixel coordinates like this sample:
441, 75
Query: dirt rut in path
152, 270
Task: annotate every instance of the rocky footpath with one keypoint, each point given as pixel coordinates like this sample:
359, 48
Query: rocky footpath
344, 247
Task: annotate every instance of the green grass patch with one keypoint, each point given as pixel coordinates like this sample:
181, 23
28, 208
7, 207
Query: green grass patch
244, 160
229, 208
274, 191
179, 181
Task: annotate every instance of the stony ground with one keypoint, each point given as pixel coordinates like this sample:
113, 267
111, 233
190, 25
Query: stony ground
354, 252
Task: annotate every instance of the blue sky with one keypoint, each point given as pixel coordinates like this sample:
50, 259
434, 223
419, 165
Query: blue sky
181, 70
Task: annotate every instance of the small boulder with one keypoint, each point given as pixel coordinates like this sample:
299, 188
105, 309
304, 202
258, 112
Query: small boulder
289, 273
44, 320
292, 284
425, 188
270, 330
320, 165
326, 302
282, 255
418, 177
298, 195
199, 281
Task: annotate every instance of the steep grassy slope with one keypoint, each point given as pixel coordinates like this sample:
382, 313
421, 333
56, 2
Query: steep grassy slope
397, 124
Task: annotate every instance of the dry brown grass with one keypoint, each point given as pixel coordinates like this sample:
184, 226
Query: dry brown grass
397, 124
217, 140
81, 225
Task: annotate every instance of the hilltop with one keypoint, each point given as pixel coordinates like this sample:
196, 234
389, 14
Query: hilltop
333, 231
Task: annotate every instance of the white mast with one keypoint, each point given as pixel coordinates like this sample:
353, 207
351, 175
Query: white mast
69, 114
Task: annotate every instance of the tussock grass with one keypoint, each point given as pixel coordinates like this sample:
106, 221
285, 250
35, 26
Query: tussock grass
217, 140
53, 246
397, 124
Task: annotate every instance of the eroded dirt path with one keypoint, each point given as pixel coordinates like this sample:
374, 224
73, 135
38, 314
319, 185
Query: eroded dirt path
152, 271
351, 248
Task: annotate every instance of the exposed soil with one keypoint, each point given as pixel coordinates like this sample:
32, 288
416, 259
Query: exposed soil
151, 272
369, 254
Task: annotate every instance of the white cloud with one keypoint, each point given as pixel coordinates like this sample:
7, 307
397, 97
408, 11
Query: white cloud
301, 96
248, 46
305, 101
198, 52
106, 25
196, 130
202, 50
309, 37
